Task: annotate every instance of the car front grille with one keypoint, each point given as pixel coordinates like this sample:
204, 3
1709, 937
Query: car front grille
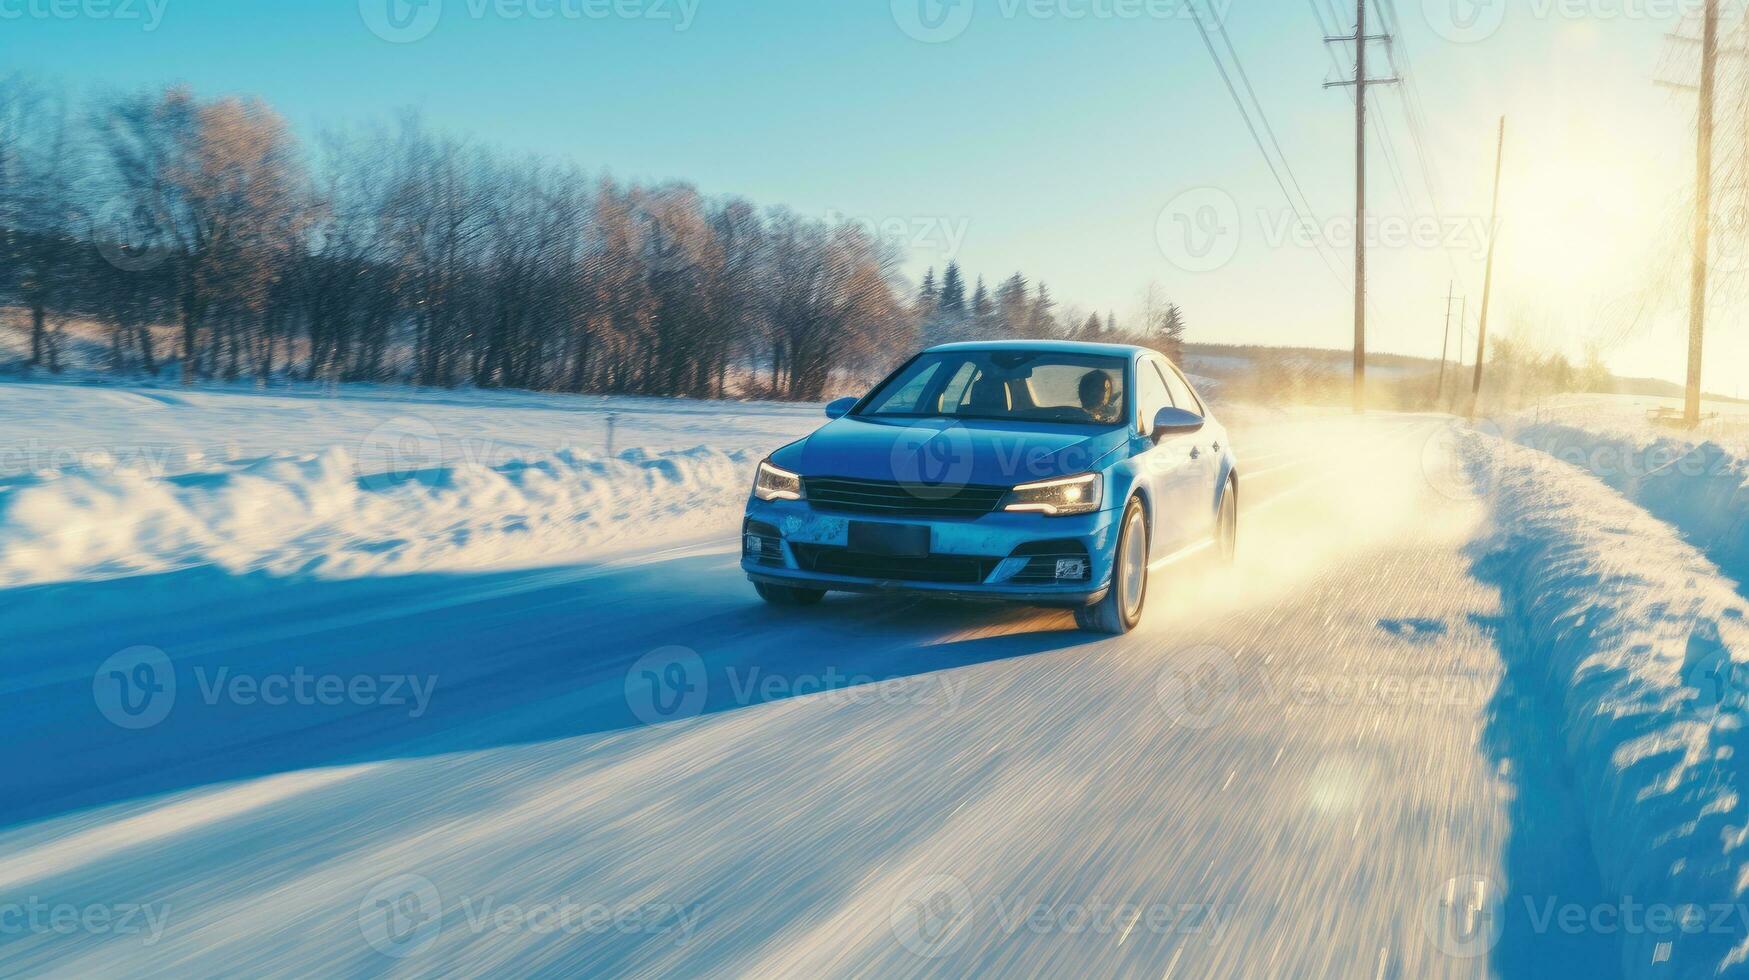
947, 569
891, 498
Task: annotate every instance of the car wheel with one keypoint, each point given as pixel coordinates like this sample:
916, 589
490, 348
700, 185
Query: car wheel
1227, 523
784, 595
1121, 609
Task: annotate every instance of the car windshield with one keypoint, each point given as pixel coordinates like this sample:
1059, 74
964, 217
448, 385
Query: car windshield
1008, 385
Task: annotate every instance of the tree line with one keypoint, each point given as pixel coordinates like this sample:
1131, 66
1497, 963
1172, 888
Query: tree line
946, 314
205, 239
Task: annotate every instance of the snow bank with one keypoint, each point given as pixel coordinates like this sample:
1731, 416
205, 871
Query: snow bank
352, 512
1701, 486
1641, 644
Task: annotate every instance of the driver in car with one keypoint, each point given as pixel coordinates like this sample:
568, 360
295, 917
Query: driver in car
1096, 397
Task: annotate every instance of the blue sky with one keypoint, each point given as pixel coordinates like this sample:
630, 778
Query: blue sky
1030, 139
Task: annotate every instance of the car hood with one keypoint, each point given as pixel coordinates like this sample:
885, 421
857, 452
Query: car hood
949, 451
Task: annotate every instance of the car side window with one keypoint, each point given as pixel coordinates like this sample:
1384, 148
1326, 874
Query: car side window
1182, 396
1151, 396
954, 395
907, 399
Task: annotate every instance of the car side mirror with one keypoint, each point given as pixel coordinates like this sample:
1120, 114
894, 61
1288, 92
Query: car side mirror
840, 408
1176, 422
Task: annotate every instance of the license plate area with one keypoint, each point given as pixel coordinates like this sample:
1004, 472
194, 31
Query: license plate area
889, 540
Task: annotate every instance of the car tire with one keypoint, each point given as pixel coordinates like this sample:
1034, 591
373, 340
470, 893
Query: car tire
1121, 609
1227, 523
784, 595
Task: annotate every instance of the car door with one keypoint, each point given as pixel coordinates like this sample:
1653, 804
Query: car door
1166, 465
1205, 453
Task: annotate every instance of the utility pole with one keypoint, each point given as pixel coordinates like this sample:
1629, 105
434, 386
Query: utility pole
1709, 48
1488, 272
1445, 344
1360, 83
1359, 206
1463, 315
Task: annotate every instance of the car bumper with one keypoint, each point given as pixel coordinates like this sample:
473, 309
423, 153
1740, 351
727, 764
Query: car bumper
999, 557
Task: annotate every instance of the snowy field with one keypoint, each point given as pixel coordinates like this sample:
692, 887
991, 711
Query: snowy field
99, 481
1469, 704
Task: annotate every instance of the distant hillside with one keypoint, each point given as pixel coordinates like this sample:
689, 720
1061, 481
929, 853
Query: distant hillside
1252, 353
1244, 362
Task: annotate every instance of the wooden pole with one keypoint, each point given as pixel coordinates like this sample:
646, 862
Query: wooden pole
1702, 214
1488, 273
1360, 205
1444, 344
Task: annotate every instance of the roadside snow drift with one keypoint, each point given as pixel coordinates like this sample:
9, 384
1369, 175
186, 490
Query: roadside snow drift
1640, 643
342, 514
1702, 487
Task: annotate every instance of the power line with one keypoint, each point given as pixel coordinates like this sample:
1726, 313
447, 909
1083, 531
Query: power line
1245, 79
1390, 155
1326, 29
1415, 114
1257, 138
1413, 108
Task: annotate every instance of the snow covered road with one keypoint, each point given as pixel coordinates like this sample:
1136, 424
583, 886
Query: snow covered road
1314, 763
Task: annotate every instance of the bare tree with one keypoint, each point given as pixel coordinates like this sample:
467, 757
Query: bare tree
832, 300
38, 163
409, 253
220, 182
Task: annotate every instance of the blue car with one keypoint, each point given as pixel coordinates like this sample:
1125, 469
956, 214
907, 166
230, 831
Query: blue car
1046, 473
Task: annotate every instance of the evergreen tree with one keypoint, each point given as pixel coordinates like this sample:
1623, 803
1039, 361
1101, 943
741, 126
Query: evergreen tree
1171, 337
1111, 325
953, 291
984, 325
1091, 329
1011, 306
1041, 319
926, 297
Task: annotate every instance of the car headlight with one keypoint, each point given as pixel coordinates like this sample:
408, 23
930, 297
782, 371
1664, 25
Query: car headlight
1058, 498
775, 484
